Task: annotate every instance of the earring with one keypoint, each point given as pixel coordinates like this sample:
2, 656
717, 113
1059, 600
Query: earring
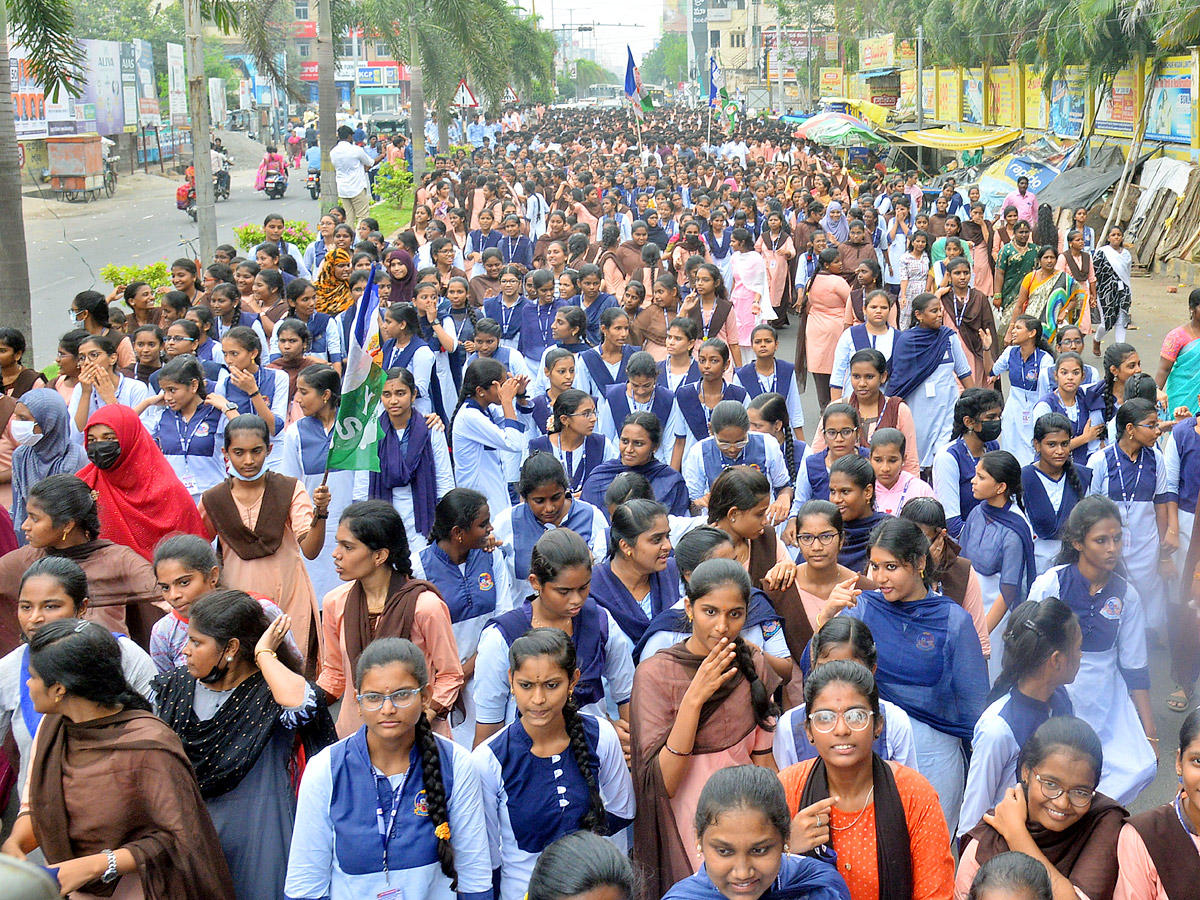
229, 659
65, 533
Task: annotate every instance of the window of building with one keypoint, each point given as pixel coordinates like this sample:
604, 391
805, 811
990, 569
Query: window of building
714, 39
301, 9
737, 39
347, 51
304, 49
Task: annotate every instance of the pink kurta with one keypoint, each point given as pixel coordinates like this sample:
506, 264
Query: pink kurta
776, 262
891, 500
827, 299
749, 281
282, 576
1137, 877
982, 269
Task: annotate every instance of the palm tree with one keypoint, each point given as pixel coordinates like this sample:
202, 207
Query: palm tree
43, 28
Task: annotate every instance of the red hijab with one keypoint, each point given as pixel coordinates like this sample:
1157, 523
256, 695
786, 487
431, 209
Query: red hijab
141, 499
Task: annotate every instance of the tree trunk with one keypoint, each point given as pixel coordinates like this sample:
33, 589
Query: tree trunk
416, 118
443, 114
197, 88
14, 264
326, 103
1135, 150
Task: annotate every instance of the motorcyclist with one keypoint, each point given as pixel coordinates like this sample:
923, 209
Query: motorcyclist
218, 159
272, 161
312, 158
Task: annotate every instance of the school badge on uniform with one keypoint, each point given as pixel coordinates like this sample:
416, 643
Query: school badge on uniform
421, 804
1112, 608
485, 581
925, 641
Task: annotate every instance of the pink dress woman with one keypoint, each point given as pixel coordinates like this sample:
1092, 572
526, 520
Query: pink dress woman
827, 299
750, 288
776, 251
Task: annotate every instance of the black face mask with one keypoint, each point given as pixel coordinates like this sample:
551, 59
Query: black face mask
989, 431
104, 454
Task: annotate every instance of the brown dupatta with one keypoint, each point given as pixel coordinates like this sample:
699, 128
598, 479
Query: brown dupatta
658, 688
976, 315
1085, 853
1171, 850
273, 516
396, 620
155, 812
1080, 274
797, 630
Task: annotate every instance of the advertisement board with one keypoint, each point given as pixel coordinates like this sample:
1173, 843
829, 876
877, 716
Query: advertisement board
972, 96
129, 94
1116, 112
1035, 100
176, 85
908, 88
28, 98
929, 92
148, 111
1068, 103
833, 81
1001, 104
1171, 102
877, 52
949, 103
102, 107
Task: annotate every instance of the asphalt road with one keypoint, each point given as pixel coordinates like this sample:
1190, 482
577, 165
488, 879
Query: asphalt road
69, 243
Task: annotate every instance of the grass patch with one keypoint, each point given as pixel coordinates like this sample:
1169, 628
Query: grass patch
392, 218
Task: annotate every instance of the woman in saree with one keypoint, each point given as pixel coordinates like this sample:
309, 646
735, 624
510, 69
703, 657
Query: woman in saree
1051, 296
980, 232
1114, 266
1179, 361
1016, 260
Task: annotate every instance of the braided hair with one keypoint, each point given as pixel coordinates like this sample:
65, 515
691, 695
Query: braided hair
230, 293
1049, 424
772, 408
1114, 358
1035, 632
472, 315
385, 652
554, 643
717, 573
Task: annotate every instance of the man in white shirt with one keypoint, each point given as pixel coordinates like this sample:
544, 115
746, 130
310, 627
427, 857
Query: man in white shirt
350, 165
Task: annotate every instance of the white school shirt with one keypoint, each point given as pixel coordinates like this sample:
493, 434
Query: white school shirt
480, 440
845, 349
278, 401
696, 478
673, 428
130, 392
196, 472
932, 403
333, 342
421, 366
255, 326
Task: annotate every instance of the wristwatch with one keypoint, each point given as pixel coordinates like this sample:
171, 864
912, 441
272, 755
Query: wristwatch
110, 874
231, 406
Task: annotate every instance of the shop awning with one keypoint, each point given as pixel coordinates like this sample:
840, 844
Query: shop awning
946, 139
871, 112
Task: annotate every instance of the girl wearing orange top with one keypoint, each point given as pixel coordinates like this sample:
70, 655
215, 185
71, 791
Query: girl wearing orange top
850, 806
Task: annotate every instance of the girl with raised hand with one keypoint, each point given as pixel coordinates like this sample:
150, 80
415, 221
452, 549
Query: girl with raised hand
930, 663
743, 829
306, 445
844, 638
1055, 815
854, 809
462, 564
1042, 647
1066, 399
560, 573
1111, 692
100, 383
555, 770
640, 437
557, 374
480, 435
976, 431
1133, 474
1023, 361
732, 443
852, 491
438, 331
819, 535
423, 786
1157, 856
547, 502
1052, 485
699, 706
239, 705
998, 540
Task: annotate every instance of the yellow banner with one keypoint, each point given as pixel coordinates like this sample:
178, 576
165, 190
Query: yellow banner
877, 52
833, 81
949, 103
1035, 100
1001, 102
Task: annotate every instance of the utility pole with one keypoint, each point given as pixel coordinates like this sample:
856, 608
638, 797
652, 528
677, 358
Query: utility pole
811, 103
920, 76
206, 203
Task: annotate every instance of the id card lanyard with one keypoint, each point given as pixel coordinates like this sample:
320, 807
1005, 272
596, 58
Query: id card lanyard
387, 829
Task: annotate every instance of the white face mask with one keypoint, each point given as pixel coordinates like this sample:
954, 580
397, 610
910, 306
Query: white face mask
23, 433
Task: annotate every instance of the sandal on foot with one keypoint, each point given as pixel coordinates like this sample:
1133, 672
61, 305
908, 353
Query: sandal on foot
1179, 701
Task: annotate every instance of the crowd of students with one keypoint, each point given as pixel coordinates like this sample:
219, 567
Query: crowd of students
603, 579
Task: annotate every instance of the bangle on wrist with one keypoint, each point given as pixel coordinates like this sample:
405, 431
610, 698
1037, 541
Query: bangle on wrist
321, 516
256, 394
259, 652
675, 752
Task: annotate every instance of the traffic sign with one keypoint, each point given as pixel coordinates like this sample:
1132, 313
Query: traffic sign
510, 96
463, 96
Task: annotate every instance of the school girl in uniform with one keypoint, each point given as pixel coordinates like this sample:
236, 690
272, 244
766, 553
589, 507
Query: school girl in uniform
1111, 691
489, 346
852, 491
768, 375
599, 368
875, 333
457, 307
560, 574
535, 330
1068, 339
209, 348
1158, 851
1042, 652
697, 401
467, 572
100, 383
894, 484
877, 409
1052, 485
680, 366
438, 331
557, 374
839, 426
926, 361
568, 330
1181, 454
998, 540
732, 443
845, 638
393, 809
404, 348
1133, 474
1024, 362
480, 435
1121, 362
709, 307
642, 392
743, 826
1067, 399
552, 772
593, 300
769, 415
507, 308
191, 429
252, 389
324, 331
547, 502
637, 445
226, 305
975, 432
306, 444
572, 439
414, 463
